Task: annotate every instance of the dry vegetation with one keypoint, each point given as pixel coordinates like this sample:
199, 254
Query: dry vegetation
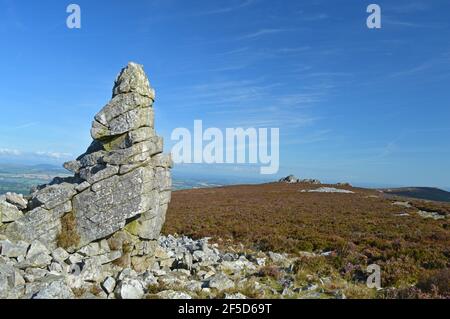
68, 237
360, 229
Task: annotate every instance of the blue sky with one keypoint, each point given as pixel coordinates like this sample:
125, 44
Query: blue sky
352, 104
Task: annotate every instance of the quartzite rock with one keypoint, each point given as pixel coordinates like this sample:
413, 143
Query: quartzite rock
11, 249
122, 180
9, 213
17, 200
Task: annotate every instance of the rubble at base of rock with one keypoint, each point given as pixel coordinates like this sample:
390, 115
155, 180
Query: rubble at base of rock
181, 268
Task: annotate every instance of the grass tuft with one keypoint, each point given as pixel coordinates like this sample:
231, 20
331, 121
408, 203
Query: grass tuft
68, 237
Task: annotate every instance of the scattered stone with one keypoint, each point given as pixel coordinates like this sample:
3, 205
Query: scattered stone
171, 294
18, 279
37, 248
43, 281
402, 204
108, 257
109, 284
402, 214
55, 290
194, 286
237, 296
311, 287
10, 249
148, 279
9, 213
16, 200
432, 215
261, 261
36, 274
190, 268
60, 255
75, 258
330, 190
130, 288
92, 249
167, 263
38, 260
326, 253
275, 257
91, 271
56, 268
220, 282
127, 272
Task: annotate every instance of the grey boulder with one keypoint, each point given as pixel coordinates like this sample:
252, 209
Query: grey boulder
9, 213
130, 288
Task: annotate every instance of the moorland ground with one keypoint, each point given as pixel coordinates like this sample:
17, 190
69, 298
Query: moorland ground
357, 229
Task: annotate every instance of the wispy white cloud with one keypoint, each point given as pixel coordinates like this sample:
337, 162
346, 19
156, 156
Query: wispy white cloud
313, 17
54, 155
309, 138
245, 52
262, 32
283, 119
42, 154
25, 125
442, 63
293, 50
417, 69
230, 91
388, 20
251, 103
231, 8
299, 99
9, 152
234, 51
409, 7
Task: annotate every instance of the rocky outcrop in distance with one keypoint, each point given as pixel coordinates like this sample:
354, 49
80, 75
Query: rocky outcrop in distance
291, 179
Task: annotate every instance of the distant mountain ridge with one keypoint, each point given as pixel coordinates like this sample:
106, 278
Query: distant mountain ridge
20, 178
427, 193
31, 169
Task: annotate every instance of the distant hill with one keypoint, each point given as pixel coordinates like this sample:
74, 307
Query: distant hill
45, 169
21, 178
427, 193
